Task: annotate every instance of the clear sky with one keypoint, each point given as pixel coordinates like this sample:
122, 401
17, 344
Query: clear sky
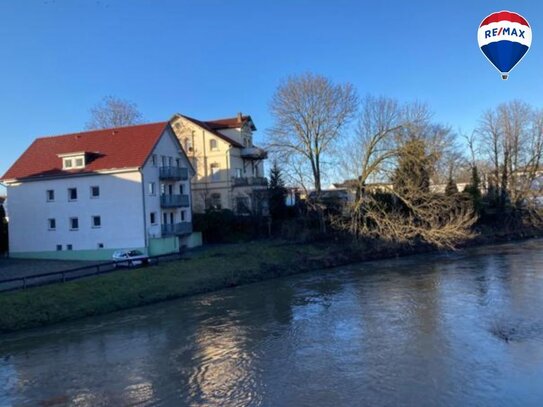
211, 59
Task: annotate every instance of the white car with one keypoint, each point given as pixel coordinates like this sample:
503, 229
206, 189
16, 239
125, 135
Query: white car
129, 258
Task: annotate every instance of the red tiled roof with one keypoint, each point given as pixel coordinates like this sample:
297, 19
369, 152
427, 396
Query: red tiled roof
122, 147
230, 123
206, 126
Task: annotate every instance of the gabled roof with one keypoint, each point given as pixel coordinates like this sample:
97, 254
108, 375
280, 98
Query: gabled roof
231, 122
212, 130
107, 149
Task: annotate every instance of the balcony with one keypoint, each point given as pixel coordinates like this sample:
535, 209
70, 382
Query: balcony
175, 229
250, 181
254, 153
174, 173
174, 201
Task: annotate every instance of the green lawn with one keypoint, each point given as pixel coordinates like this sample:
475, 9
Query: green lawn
203, 271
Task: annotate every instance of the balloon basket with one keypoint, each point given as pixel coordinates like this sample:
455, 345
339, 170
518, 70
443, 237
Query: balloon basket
505, 76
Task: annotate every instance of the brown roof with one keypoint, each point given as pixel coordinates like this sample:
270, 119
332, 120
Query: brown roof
108, 149
212, 130
231, 123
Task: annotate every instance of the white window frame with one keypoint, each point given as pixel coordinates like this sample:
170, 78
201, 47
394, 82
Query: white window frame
93, 223
92, 190
70, 194
213, 144
47, 195
152, 189
72, 224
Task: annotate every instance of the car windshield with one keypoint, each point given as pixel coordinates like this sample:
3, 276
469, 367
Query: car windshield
135, 253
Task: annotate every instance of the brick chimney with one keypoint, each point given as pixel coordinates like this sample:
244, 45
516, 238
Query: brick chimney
240, 117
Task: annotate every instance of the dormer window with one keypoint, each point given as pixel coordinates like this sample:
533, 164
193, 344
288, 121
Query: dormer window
72, 161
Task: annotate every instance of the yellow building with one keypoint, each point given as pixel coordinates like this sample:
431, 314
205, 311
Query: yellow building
229, 167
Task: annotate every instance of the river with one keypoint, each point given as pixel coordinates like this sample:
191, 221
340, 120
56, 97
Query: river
452, 329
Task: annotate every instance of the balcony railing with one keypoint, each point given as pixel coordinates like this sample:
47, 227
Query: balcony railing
175, 229
250, 181
174, 201
253, 153
174, 173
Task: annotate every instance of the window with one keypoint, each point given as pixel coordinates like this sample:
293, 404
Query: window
154, 160
79, 162
74, 223
163, 160
181, 189
100, 245
178, 162
95, 192
50, 195
182, 216
152, 190
68, 247
215, 174
72, 194
96, 221
52, 223
213, 144
152, 216
162, 189
59, 247
242, 205
238, 173
68, 163
188, 144
170, 161
215, 201
165, 218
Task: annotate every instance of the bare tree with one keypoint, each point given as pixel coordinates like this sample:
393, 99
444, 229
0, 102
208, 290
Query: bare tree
510, 138
400, 143
113, 112
310, 112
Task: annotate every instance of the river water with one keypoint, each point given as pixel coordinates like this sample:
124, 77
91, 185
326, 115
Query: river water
460, 329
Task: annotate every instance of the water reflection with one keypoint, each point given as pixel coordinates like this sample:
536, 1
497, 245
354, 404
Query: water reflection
447, 329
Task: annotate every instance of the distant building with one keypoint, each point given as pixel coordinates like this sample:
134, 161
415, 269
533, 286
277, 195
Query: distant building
229, 167
85, 195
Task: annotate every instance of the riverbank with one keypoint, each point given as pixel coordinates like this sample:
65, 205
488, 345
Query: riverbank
202, 271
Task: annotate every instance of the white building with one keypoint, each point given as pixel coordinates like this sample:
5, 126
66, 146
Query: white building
85, 195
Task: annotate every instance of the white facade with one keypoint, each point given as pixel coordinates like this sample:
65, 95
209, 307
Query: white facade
88, 216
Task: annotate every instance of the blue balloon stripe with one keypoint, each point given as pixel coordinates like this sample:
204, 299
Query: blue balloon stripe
504, 54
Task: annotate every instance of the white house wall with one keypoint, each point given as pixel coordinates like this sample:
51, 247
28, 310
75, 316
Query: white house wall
167, 146
119, 206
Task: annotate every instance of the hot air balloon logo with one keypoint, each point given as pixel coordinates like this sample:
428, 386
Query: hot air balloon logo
504, 37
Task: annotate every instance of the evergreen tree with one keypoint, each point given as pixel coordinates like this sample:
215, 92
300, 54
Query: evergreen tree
451, 188
474, 187
277, 193
412, 175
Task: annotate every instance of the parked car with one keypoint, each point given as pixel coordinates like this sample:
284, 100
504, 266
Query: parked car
129, 258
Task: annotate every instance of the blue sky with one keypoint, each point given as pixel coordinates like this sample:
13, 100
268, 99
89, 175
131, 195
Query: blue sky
211, 59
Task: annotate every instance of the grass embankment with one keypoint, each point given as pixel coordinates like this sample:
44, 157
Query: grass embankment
204, 271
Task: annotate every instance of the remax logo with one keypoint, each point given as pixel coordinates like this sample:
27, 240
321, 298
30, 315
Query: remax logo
504, 38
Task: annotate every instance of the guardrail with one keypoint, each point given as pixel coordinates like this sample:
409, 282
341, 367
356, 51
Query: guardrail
62, 276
